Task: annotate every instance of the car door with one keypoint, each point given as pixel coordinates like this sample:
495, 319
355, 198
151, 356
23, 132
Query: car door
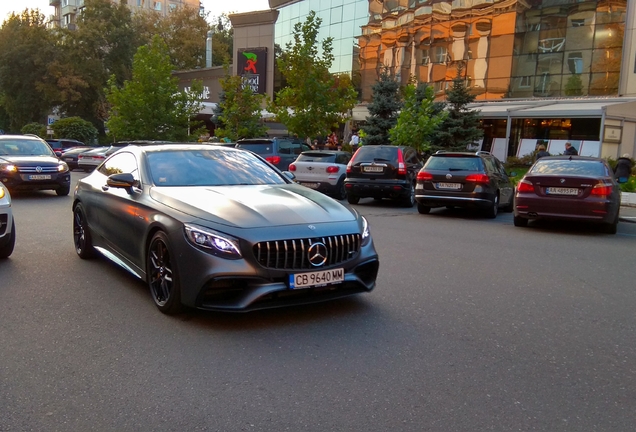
119, 209
502, 181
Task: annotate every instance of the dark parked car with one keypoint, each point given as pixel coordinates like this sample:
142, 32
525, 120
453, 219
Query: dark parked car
28, 163
573, 188
383, 171
218, 228
59, 146
71, 156
322, 170
461, 179
280, 152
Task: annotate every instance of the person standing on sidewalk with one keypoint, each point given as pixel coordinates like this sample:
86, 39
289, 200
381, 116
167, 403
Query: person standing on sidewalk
569, 150
623, 168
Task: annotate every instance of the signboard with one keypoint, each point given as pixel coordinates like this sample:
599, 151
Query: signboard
252, 67
612, 134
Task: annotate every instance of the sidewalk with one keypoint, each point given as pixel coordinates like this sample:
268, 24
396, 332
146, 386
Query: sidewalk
628, 207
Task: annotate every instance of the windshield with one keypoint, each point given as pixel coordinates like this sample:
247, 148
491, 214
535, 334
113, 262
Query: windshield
575, 167
24, 147
218, 167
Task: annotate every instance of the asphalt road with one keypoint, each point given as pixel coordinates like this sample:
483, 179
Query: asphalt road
474, 325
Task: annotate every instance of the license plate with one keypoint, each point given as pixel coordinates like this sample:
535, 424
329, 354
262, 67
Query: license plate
562, 191
449, 185
316, 278
40, 177
373, 169
310, 185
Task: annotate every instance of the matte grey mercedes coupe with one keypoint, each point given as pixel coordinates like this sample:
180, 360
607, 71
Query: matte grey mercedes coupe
219, 228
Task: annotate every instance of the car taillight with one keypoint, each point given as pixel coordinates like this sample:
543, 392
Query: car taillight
292, 167
333, 169
424, 176
273, 159
478, 178
525, 186
350, 164
601, 189
401, 165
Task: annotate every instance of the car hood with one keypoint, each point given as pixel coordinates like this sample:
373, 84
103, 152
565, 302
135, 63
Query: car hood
254, 206
30, 160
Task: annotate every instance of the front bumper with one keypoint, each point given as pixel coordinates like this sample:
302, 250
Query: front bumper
18, 181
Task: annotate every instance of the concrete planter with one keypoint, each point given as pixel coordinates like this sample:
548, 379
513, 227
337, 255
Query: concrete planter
628, 199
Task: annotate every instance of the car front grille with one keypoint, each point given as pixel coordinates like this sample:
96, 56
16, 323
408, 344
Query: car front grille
293, 254
34, 169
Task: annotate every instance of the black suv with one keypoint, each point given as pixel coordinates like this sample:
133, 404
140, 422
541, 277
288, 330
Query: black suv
383, 171
460, 179
280, 152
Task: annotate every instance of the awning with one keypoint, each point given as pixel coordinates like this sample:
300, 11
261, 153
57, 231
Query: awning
557, 108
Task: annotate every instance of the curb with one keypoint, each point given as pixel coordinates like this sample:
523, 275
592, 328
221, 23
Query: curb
629, 219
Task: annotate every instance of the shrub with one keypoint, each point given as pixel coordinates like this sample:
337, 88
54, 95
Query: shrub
35, 129
75, 128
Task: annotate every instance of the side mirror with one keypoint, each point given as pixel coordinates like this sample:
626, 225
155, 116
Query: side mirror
58, 153
123, 180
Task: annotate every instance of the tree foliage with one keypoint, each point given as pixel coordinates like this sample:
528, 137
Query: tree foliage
26, 48
35, 129
183, 30
222, 41
417, 119
75, 128
151, 106
239, 114
314, 101
383, 109
461, 126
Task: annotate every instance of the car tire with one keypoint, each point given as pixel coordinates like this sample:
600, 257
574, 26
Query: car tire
63, 190
81, 234
610, 228
7, 249
519, 221
422, 209
162, 275
493, 210
510, 207
341, 191
409, 201
353, 199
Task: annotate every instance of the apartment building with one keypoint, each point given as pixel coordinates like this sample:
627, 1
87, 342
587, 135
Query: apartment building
66, 11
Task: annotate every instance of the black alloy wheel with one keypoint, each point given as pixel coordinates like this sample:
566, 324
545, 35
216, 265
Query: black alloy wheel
510, 207
494, 208
409, 201
7, 249
352, 199
162, 276
81, 234
612, 227
422, 209
341, 191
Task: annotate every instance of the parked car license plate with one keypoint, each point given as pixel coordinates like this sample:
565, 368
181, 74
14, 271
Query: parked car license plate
562, 191
40, 177
449, 185
372, 169
316, 278
310, 185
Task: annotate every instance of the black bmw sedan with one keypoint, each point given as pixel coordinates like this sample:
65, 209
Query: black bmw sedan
219, 228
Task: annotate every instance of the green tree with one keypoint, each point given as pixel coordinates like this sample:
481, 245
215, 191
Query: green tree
151, 106
34, 129
574, 86
183, 30
417, 119
75, 128
461, 126
239, 114
222, 41
313, 101
26, 48
383, 109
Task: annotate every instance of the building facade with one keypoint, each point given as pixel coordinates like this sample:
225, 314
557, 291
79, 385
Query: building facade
66, 11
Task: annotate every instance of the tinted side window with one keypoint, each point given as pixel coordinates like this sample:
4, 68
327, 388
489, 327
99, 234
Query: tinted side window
120, 164
284, 147
490, 165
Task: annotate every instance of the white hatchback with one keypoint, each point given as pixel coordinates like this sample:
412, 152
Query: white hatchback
7, 226
322, 170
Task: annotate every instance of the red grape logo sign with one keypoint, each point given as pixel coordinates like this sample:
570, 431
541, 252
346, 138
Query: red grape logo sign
252, 68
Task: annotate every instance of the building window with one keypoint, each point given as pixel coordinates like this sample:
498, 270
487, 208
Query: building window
157, 6
172, 7
67, 20
578, 22
575, 62
525, 82
440, 54
64, 3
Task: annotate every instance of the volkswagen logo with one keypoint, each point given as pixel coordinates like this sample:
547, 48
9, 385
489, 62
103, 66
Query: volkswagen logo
317, 254
38, 169
449, 176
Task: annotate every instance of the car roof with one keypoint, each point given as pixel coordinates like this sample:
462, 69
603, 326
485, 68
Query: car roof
27, 136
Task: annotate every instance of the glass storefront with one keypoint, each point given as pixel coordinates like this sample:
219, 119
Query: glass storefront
509, 48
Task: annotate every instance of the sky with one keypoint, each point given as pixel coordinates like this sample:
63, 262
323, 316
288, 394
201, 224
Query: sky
214, 7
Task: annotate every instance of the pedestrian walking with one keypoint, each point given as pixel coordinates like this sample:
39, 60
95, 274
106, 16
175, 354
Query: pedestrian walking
355, 141
623, 168
570, 150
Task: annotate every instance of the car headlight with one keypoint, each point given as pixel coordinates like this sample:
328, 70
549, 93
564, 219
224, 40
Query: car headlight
366, 233
8, 168
223, 244
62, 167
2, 192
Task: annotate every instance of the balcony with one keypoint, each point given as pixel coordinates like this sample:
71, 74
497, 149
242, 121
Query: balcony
54, 2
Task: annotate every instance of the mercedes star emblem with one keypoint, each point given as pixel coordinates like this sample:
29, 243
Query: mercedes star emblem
317, 254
